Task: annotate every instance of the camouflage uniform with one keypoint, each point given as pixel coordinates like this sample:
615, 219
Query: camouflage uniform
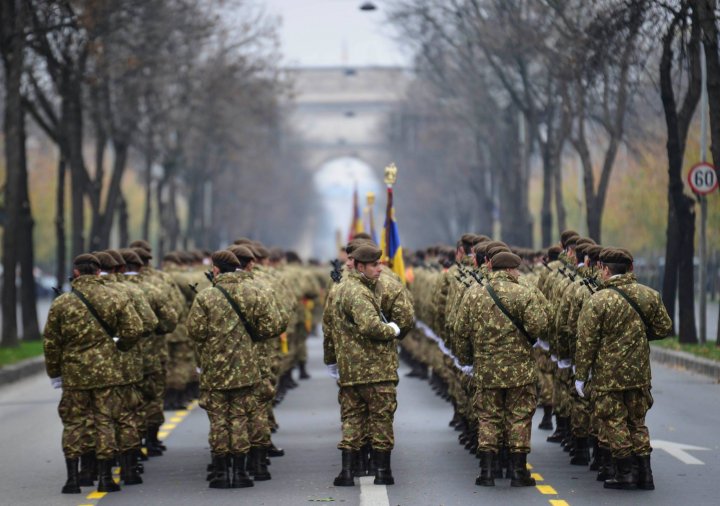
501, 356
79, 350
612, 345
228, 359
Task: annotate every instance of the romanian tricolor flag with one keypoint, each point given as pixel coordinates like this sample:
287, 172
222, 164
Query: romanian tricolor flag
356, 224
390, 240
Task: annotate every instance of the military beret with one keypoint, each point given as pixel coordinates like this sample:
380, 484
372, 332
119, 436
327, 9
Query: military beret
494, 244
276, 254
615, 256
107, 262
506, 260
173, 257
225, 259
362, 235
131, 257
260, 251
593, 251
366, 254
567, 234
141, 243
583, 240
142, 253
491, 252
242, 240
241, 252
480, 248
356, 243
571, 242
86, 259
483, 238
554, 252
581, 250
469, 239
116, 255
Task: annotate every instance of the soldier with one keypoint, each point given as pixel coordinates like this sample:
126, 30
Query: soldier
86, 331
367, 363
614, 328
494, 329
224, 321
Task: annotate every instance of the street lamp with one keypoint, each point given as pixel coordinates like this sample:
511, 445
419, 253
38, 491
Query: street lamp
368, 6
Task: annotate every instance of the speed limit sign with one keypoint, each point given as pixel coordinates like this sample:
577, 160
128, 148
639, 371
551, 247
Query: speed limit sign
703, 178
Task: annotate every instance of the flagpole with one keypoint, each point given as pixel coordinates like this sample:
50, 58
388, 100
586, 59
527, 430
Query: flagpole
390, 179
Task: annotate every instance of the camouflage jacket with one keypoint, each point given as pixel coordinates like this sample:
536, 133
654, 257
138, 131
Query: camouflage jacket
487, 339
365, 346
227, 354
267, 349
329, 321
612, 342
396, 301
76, 345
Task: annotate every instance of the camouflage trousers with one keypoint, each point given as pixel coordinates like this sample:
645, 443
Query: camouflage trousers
544, 377
231, 413
152, 388
621, 419
367, 413
505, 416
101, 420
562, 385
260, 426
181, 364
581, 417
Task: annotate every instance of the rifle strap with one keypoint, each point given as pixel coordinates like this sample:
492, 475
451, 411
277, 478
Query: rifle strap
238, 312
648, 329
94, 312
507, 313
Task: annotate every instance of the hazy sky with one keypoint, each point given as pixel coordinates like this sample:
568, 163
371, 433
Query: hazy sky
334, 32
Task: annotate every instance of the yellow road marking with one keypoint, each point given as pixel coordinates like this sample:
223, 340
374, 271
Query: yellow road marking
538, 477
96, 495
176, 419
116, 470
163, 434
86, 505
168, 426
528, 466
546, 489
558, 502
181, 413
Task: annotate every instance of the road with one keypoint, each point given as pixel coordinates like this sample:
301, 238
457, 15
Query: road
430, 467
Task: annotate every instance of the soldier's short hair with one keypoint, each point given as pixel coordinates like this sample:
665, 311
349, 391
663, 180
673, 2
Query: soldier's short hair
225, 260
86, 263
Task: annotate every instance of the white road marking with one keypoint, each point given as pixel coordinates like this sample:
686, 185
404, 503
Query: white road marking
678, 450
371, 494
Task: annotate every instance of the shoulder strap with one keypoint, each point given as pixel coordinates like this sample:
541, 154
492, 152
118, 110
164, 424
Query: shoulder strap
94, 312
648, 329
238, 312
507, 313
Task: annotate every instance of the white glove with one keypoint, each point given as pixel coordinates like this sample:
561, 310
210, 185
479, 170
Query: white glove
544, 345
564, 363
467, 370
56, 382
553, 358
198, 370
115, 339
333, 372
395, 328
574, 369
579, 385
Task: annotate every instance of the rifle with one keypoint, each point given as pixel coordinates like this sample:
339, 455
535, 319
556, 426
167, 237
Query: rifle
210, 276
336, 273
193, 287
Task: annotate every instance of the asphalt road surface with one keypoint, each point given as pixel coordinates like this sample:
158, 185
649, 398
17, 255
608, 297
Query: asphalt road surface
430, 468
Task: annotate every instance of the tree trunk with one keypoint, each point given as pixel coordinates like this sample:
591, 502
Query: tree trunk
670, 272
101, 239
73, 123
60, 247
147, 213
123, 221
546, 220
557, 186
13, 23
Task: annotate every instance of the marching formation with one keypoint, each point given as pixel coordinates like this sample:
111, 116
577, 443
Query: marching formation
500, 332
129, 340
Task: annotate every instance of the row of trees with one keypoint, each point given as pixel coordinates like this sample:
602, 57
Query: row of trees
188, 92
518, 84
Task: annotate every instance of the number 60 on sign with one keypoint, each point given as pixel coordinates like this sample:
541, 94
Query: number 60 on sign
703, 178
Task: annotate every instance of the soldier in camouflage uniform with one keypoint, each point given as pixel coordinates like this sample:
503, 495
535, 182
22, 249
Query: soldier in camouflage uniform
224, 321
503, 366
613, 350
367, 361
81, 358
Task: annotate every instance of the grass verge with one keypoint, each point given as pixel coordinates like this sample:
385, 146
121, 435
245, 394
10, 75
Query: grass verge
25, 350
707, 350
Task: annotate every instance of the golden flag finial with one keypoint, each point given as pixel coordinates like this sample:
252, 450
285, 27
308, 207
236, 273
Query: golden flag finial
370, 196
390, 174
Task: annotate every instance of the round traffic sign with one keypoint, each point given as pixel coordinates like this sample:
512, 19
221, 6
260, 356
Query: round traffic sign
703, 178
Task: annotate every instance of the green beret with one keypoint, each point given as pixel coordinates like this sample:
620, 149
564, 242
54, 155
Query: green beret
173, 257
553, 252
276, 254
225, 259
366, 253
491, 252
86, 259
241, 252
131, 257
615, 256
116, 255
593, 252
142, 253
356, 243
242, 240
362, 235
567, 234
581, 251
141, 243
107, 262
260, 251
506, 260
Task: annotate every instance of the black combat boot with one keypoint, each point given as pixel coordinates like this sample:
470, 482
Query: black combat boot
258, 456
561, 424
607, 467
581, 457
221, 473
645, 475
240, 478
345, 478
595, 463
520, 476
128, 470
303, 371
383, 472
546, 422
137, 458
88, 469
486, 479
105, 480
500, 462
360, 461
72, 485
623, 479
274, 451
155, 447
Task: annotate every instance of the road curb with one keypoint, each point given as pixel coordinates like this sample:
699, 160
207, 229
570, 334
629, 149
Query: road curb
687, 361
15, 372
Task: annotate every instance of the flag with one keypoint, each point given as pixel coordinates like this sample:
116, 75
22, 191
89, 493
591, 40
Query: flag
390, 240
356, 224
371, 217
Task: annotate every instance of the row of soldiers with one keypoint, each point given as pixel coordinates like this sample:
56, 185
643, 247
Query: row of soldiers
126, 341
566, 329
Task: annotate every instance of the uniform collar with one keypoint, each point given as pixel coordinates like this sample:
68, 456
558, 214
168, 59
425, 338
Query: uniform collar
621, 280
